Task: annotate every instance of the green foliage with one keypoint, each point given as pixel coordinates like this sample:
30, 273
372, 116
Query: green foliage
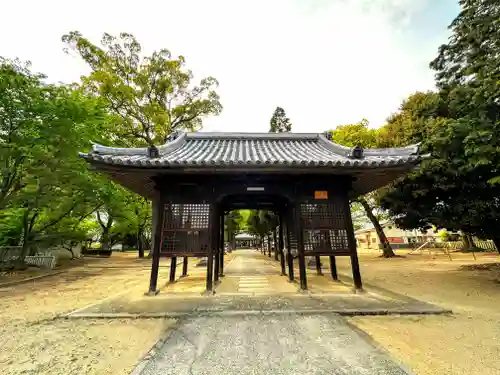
262, 222
355, 135
10, 227
410, 125
233, 224
42, 128
457, 189
279, 122
151, 96
364, 208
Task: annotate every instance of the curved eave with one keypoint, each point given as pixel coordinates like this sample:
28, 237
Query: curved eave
169, 147
165, 164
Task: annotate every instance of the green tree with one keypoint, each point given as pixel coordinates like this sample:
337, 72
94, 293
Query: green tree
151, 96
233, 223
42, 127
361, 135
413, 121
279, 122
355, 135
468, 75
457, 188
257, 225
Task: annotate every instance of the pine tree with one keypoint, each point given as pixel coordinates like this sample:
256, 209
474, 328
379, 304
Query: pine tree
279, 122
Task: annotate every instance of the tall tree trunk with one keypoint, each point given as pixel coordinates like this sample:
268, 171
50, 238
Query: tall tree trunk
24, 242
387, 251
105, 239
466, 238
140, 245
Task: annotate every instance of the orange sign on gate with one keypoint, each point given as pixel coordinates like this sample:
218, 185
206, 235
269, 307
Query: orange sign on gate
321, 194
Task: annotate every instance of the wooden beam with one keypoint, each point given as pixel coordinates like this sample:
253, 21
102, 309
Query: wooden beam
214, 217
221, 247
333, 268
159, 218
173, 267
281, 245
184, 266
289, 257
300, 247
318, 265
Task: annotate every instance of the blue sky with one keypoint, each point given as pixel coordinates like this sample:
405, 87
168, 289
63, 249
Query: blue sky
326, 62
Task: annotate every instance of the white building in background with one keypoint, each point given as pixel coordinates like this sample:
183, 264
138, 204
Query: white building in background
399, 238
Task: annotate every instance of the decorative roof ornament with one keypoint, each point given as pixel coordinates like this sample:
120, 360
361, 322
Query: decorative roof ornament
328, 135
356, 152
153, 152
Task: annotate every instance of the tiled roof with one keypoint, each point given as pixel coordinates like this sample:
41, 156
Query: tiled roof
252, 150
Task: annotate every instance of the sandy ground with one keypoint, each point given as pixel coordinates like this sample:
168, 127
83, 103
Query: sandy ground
467, 342
32, 342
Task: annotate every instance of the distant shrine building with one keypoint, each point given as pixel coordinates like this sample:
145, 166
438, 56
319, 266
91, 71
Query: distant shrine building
195, 179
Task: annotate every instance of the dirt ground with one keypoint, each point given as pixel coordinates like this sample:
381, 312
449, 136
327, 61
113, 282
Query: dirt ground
467, 342
32, 342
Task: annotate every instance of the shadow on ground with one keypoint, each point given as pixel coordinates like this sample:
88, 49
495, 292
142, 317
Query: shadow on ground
172, 305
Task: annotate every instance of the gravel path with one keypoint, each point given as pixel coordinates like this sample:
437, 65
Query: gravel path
255, 345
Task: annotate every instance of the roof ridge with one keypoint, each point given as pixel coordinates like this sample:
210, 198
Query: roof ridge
178, 138
252, 135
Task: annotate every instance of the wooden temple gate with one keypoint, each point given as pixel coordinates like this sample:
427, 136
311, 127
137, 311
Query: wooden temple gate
314, 214
307, 180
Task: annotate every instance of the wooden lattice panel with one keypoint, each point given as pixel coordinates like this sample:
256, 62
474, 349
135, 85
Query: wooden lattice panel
186, 229
324, 228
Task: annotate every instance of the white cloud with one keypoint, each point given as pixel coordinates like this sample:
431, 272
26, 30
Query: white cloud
325, 62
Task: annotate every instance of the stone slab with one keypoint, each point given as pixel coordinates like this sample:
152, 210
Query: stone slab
254, 345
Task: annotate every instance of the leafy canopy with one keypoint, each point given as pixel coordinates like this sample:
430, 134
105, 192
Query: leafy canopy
152, 95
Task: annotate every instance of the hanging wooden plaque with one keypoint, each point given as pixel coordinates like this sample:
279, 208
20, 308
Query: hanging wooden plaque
321, 194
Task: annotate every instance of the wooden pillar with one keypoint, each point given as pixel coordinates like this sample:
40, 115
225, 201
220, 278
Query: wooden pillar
214, 227
275, 243
159, 216
173, 267
333, 268
184, 267
289, 257
221, 245
281, 245
318, 265
217, 249
351, 241
300, 248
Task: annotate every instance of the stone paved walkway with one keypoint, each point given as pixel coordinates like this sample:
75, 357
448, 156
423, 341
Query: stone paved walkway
253, 283
255, 345
251, 273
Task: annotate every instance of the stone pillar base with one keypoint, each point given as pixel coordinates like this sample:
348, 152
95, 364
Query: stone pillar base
202, 262
311, 264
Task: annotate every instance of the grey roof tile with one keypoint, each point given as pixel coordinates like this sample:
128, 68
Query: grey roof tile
251, 149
